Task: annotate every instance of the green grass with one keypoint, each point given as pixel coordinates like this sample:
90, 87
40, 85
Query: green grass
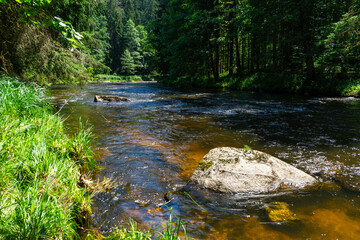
351, 89
114, 78
271, 82
42, 170
40, 167
173, 229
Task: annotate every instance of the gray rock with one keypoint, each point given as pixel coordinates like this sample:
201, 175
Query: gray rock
110, 99
235, 170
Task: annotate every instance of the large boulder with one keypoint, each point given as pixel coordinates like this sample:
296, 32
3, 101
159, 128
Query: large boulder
235, 170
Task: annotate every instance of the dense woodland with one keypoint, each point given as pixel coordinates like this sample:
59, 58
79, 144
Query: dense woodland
275, 45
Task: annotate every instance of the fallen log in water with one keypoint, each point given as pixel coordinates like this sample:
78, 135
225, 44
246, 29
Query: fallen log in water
110, 99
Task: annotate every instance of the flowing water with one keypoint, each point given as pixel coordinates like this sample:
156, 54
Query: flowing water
150, 146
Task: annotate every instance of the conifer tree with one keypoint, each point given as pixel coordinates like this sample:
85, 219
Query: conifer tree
131, 43
127, 63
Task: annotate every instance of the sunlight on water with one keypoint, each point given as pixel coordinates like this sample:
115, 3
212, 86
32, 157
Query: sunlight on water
151, 145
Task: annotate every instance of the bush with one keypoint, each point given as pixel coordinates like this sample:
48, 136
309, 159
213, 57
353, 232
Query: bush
130, 78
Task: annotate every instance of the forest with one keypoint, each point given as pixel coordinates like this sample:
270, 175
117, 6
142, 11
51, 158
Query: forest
281, 46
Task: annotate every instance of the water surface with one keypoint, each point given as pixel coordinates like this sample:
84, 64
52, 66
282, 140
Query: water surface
152, 144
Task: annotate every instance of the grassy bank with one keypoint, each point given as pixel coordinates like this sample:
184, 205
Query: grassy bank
40, 167
115, 78
271, 82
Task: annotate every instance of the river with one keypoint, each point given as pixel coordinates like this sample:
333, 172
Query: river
150, 146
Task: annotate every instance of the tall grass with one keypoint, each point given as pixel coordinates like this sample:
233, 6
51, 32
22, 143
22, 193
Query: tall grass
40, 167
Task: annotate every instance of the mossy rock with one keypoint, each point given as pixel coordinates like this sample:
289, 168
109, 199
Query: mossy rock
204, 165
280, 212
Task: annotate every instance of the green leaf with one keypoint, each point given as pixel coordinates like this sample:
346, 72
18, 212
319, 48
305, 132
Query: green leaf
247, 147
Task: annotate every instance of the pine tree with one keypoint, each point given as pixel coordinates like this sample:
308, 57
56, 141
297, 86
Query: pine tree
131, 43
127, 63
131, 38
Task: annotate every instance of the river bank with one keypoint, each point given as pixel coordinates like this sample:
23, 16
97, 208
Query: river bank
42, 168
270, 83
45, 190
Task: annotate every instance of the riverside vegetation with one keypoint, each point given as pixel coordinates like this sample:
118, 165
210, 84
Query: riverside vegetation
41, 167
43, 189
289, 46
305, 47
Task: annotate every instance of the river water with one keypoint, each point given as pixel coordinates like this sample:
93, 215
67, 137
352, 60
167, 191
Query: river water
150, 146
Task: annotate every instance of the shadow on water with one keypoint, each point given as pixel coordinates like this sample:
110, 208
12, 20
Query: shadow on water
151, 145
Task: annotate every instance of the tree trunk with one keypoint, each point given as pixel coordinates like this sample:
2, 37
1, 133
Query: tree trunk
216, 62
231, 57
348, 4
238, 60
243, 53
249, 55
307, 32
274, 52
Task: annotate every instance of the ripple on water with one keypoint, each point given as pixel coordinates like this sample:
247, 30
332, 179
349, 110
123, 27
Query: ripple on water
152, 145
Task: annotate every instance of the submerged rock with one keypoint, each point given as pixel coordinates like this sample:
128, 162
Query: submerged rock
110, 99
235, 170
348, 181
280, 212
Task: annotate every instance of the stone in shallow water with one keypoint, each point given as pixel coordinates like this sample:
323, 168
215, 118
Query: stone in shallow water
235, 170
280, 212
110, 99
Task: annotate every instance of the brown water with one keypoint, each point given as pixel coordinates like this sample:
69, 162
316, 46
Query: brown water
152, 144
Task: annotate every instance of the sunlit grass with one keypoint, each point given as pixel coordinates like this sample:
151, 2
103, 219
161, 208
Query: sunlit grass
352, 89
173, 229
115, 78
40, 167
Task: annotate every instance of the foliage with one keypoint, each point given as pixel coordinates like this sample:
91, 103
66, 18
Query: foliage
128, 63
136, 47
40, 167
170, 231
97, 46
124, 21
33, 12
116, 78
38, 52
309, 46
342, 48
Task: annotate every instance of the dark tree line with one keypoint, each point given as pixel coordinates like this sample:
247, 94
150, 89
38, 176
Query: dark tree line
310, 39
305, 42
